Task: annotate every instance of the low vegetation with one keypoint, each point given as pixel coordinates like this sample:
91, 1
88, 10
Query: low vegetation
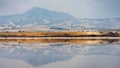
60, 34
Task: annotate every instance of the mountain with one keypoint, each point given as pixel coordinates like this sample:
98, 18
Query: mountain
35, 16
99, 24
43, 19
41, 13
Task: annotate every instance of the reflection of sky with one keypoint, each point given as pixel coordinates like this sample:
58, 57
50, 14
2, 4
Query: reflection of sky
78, 8
89, 61
55, 52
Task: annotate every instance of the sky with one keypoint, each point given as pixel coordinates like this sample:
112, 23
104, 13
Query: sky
77, 8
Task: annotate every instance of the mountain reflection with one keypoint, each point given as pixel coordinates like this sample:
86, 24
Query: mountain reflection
39, 53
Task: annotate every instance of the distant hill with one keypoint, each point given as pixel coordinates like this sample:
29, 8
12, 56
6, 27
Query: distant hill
38, 18
35, 16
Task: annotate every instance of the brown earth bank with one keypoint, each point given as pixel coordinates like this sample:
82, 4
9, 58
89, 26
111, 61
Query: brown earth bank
63, 41
61, 34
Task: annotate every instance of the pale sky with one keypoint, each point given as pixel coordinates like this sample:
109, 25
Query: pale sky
77, 8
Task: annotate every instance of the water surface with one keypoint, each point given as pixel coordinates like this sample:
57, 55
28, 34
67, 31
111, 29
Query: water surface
59, 54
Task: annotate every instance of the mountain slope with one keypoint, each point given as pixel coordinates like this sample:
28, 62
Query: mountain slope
36, 16
40, 19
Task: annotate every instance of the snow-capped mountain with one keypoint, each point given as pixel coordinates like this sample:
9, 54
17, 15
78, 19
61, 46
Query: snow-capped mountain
53, 20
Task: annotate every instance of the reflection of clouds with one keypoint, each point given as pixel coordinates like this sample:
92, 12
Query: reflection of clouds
55, 52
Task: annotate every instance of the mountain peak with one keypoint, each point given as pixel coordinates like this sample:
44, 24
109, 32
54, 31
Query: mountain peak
37, 9
37, 12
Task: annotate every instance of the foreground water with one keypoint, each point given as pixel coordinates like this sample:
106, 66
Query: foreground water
80, 54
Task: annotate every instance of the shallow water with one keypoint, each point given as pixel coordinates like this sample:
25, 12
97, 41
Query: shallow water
59, 54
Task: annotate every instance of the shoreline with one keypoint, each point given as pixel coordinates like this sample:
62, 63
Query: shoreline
60, 38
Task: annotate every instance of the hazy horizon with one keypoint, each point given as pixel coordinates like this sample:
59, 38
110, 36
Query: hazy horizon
77, 8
